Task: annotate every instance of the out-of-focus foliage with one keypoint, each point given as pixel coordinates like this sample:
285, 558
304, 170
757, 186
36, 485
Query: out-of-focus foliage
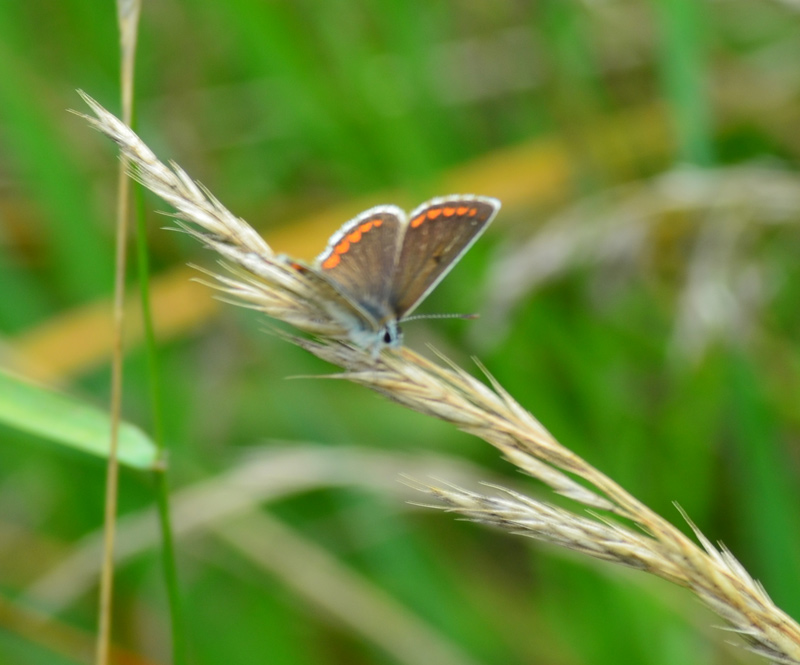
639, 294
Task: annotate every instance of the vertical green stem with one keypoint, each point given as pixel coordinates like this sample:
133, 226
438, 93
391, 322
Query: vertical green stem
683, 70
156, 404
128, 15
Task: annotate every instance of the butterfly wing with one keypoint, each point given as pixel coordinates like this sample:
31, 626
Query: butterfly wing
437, 235
361, 258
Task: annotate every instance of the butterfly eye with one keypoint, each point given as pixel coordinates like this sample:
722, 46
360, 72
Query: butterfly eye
391, 334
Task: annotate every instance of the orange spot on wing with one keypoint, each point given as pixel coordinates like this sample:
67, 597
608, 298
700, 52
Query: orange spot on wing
433, 214
331, 262
354, 237
462, 211
473, 212
366, 226
417, 221
449, 212
378, 222
342, 247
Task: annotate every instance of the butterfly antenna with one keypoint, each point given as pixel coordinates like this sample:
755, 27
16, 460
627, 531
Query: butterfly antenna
417, 317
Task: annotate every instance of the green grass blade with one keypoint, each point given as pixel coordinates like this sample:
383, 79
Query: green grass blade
67, 421
683, 65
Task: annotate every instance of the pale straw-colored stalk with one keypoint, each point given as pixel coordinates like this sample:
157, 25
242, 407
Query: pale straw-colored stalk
262, 280
128, 20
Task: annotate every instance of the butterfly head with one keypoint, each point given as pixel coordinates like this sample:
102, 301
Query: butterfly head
389, 335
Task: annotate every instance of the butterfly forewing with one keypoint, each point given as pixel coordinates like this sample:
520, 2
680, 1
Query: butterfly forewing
361, 258
437, 234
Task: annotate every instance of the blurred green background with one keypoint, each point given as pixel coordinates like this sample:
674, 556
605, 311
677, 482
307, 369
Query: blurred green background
639, 294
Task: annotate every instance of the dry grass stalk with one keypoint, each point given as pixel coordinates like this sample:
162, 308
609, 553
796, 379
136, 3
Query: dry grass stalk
267, 282
128, 18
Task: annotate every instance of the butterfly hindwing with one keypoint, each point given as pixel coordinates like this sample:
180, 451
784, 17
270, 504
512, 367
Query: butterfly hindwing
436, 236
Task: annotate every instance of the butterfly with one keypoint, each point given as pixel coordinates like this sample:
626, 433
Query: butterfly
378, 267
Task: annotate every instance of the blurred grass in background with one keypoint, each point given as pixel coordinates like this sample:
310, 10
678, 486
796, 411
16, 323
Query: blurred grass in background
639, 293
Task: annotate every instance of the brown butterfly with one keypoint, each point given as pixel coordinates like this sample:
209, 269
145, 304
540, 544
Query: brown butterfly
380, 265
